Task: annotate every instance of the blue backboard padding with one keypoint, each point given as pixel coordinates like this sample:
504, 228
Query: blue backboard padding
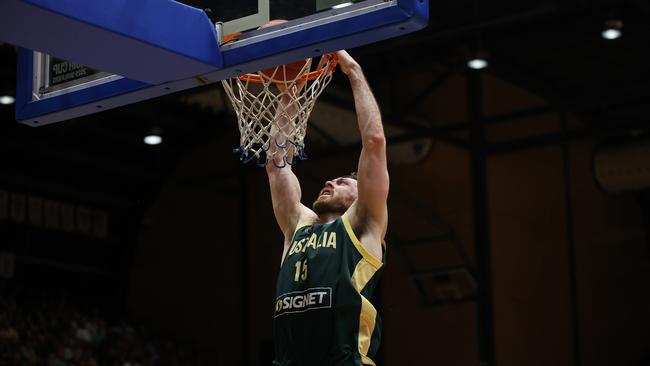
23, 82
403, 17
27, 109
350, 32
154, 41
343, 42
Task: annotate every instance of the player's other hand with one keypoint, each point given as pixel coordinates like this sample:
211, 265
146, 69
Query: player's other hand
346, 62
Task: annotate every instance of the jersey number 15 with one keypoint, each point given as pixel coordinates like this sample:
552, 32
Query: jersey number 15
301, 271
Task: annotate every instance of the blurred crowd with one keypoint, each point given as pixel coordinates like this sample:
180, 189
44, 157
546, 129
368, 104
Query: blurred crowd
39, 328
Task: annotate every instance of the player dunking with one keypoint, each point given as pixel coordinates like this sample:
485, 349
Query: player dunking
333, 253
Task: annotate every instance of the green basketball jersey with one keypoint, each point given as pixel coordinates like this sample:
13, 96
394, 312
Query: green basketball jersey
322, 314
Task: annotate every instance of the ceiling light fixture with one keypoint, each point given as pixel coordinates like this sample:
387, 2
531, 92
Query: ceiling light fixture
613, 29
154, 137
7, 99
477, 63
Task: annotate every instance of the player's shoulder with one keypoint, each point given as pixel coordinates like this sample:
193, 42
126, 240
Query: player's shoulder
306, 216
361, 222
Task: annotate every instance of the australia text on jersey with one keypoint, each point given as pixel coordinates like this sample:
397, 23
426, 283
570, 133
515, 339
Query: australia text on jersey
326, 239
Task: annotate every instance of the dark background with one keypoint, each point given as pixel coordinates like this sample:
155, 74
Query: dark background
502, 246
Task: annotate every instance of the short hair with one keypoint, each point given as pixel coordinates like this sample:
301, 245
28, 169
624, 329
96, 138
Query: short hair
352, 175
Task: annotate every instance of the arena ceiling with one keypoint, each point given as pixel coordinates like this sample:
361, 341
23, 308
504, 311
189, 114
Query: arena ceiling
550, 48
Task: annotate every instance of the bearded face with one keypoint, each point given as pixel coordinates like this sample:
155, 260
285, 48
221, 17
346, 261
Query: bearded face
336, 197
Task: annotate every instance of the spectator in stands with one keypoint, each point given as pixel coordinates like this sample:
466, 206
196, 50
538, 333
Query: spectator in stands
49, 330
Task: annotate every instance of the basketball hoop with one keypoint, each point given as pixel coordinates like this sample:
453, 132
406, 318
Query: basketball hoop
273, 106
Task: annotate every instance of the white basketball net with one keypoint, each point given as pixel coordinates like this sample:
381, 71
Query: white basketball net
273, 107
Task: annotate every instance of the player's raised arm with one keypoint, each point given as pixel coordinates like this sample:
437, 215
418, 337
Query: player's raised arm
369, 215
285, 188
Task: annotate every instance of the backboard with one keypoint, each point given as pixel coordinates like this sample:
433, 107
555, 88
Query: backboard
98, 55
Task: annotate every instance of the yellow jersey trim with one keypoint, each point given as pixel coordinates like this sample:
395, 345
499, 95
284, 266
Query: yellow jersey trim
363, 272
376, 262
366, 328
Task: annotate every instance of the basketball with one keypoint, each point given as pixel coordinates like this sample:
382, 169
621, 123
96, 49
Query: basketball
282, 74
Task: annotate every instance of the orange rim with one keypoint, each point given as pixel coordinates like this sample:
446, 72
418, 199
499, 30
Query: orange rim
312, 75
230, 37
